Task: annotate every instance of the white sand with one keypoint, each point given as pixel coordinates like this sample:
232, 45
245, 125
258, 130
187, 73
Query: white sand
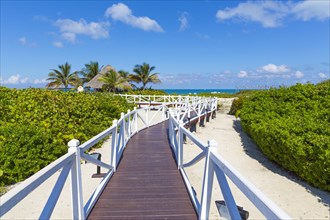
298, 199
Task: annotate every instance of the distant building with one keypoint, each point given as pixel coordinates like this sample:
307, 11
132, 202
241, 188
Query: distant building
95, 83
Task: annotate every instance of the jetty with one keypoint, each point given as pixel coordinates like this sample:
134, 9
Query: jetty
146, 176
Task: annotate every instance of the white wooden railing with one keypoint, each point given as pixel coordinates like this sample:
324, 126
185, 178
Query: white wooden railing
161, 99
120, 132
182, 112
214, 163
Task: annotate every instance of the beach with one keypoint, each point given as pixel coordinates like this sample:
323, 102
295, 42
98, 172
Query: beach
296, 198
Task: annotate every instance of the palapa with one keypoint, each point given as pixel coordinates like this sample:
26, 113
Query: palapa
95, 83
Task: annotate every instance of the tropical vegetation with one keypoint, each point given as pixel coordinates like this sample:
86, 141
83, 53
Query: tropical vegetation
143, 75
90, 70
36, 125
291, 126
63, 77
114, 82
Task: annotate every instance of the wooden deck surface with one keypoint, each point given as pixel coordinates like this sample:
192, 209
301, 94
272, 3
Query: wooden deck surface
147, 184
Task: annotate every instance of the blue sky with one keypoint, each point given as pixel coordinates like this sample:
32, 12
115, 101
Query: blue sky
192, 44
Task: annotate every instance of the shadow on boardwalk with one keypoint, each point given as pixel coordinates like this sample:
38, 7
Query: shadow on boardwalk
254, 152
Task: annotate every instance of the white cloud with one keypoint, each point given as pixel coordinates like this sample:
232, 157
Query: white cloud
202, 36
270, 14
183, 19
242, 74
39, 81
312, 9
299, 74
323, 75
122, 13
272, 68
70, 29
23, 40
15, 79
58, 44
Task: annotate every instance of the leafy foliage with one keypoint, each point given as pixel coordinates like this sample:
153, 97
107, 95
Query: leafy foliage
63, 76
114, 81
143, 75
292, 127
146, 92
90, 71
35, 126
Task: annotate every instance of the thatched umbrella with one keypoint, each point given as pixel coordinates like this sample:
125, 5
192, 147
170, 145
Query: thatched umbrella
95, 83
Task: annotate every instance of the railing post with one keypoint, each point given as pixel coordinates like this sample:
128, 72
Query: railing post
123, 128
180, 147
135, 119
129, 125
76, 183
147, 117
207, 182
163, 112
114, 146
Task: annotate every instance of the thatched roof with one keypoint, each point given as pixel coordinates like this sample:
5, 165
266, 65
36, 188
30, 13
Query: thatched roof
95, 83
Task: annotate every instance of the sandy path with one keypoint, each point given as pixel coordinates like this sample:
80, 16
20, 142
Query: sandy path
296, 198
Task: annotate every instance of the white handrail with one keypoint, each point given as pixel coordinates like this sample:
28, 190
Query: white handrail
214, 163
121, 131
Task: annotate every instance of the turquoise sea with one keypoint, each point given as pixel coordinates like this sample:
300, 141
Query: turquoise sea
197, 91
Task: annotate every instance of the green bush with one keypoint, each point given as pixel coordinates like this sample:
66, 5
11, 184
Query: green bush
36, 125
146, 92
292, 127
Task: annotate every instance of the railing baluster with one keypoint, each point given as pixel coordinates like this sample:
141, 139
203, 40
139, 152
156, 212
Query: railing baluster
76, 184
56, 192
114, 147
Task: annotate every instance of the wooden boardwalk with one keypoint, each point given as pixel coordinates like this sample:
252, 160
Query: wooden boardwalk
147, 184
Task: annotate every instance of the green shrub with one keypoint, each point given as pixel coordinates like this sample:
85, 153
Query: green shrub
146, 92
292, 127
36, 125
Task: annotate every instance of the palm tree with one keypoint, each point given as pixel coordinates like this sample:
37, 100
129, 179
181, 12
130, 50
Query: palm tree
113, 81
143, 75
63, 76
90, 71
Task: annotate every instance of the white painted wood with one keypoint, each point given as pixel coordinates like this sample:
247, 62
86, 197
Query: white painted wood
95, 196
191, 192
14, 196
114, 147
92, 160
76, 184
268, 208
94, 140
56, 192
207, 186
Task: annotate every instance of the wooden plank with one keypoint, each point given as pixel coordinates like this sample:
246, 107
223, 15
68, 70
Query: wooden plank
147, 184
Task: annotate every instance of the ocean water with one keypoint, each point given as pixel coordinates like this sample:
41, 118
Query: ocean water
197, 91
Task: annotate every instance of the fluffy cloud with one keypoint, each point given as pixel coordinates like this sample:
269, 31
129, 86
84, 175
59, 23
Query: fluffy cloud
58, 44
299, 74
312, 9
18, 79
70, 29
23, 41
242, 74
323, 76
15, 79
272, 68
270, 14
183, 19
121, 12
39, 81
